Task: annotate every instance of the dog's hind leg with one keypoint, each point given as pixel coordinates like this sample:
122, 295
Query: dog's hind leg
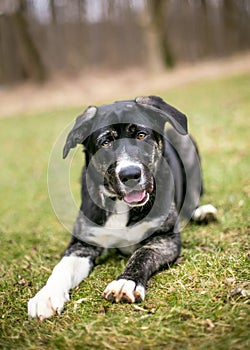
76, 264
205, 214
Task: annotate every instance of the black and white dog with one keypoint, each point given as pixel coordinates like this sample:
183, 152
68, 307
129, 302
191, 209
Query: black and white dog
138, 179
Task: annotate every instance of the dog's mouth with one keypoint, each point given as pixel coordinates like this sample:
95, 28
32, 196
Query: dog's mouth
136, 197
132, 192
133, 198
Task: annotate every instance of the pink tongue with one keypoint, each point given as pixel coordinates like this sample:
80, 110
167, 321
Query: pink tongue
135, 196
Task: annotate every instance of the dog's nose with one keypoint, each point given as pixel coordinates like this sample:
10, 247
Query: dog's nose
130, 176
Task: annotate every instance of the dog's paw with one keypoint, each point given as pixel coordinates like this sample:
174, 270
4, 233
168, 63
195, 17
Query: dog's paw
205, 214
47, 302
124, 290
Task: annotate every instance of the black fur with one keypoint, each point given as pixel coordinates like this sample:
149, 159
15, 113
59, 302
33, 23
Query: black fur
166, 185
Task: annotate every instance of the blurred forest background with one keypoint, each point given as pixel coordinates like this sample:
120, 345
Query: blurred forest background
43, 38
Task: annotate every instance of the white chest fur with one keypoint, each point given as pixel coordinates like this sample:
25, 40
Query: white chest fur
115, 233
119, 218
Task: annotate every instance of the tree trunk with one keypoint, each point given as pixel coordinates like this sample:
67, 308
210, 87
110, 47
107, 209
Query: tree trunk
158, 15
53, 11
32, 65
152, 21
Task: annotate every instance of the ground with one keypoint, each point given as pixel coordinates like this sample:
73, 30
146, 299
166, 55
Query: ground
202, 302
95, 87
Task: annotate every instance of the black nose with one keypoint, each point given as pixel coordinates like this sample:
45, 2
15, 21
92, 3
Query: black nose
130, 176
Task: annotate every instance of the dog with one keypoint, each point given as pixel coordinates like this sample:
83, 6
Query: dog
139, 179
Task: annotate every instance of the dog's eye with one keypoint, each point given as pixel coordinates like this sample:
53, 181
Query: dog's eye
141, 135
106, 143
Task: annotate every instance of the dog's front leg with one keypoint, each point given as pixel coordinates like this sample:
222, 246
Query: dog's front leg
76, 264
156, 253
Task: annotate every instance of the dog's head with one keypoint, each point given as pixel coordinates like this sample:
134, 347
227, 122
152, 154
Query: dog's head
124, 145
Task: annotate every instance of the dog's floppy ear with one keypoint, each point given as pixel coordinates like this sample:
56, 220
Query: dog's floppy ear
177, 119
80, 130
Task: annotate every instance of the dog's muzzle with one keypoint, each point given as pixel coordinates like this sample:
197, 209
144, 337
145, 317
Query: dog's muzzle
131, 183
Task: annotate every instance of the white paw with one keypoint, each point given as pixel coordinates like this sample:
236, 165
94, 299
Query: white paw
124, 290
205, 213
47, 302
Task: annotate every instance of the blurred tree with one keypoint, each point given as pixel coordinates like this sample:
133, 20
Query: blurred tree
158, 9
41, 38
19, 57
9, 68
53, 11
153, 22
32, 65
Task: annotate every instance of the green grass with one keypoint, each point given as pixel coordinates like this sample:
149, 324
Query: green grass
200, 303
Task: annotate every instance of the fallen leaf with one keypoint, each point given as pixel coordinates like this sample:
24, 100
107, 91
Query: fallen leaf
139, 308
22, 282
78, 302
180, 260
239, 291
208, 323
229, 281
